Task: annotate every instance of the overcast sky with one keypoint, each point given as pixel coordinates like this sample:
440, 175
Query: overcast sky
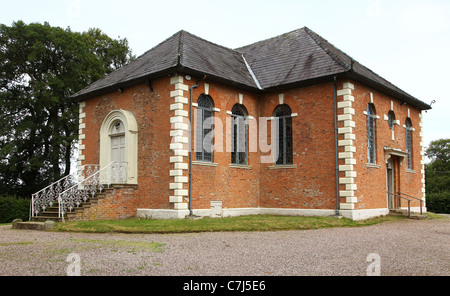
406, 42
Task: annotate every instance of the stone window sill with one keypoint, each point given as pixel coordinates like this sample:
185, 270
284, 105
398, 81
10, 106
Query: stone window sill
240, 166
372, 165
205, 163
284, 166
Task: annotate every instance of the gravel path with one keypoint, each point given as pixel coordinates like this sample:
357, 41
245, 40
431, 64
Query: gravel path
407, 247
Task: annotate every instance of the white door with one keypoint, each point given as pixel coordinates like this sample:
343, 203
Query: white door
118, 148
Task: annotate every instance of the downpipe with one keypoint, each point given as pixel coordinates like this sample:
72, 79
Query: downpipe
336, 147
190, 142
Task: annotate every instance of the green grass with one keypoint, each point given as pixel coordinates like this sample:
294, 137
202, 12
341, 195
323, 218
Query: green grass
242, 223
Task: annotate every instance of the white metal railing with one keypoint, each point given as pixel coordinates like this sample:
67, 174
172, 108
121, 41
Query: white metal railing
71, 190
74, 196
49, 195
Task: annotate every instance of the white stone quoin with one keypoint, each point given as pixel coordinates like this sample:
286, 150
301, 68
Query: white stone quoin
348, 133
179, 139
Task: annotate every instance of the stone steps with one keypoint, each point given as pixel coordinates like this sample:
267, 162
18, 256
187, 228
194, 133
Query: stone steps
404, 213
51, 212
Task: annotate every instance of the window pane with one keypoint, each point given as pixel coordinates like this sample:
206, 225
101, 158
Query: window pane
409, 143
371, 149
289, 144
285, 149
207, 135
199, 135
239, 134
204, 136
281, 141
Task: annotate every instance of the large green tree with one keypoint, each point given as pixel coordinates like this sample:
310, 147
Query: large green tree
437, 175
438, 170
40, 68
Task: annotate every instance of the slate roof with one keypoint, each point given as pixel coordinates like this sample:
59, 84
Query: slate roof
297, 57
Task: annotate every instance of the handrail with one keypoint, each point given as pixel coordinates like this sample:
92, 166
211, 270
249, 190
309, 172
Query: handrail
419, 199
73, 196
47, 195
409, 201
43, 190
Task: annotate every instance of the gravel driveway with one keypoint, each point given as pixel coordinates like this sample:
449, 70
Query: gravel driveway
406, 247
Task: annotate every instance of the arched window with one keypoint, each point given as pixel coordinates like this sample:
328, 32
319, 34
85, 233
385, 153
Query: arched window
371, 128
391, 119
205, 120
239, 134
284, 115
408, 128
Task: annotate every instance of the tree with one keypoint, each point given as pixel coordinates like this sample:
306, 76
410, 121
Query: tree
40, 68
438, 170
437, 176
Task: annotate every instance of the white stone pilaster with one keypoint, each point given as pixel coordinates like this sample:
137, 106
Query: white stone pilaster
179, 139
422, 153
346, 137
81, 136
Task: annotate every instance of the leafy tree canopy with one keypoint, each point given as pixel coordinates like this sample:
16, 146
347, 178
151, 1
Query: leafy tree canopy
40, 68
438, 170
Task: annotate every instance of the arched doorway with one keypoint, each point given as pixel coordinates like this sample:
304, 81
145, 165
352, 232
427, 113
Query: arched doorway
119, 142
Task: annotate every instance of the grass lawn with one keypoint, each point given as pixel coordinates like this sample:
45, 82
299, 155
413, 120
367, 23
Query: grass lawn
242, 223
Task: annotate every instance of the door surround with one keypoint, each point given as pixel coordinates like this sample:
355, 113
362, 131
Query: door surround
130, 133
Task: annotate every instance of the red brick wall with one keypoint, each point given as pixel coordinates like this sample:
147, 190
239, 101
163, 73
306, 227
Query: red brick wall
151, 112
309, 185
371, 181
235, 187
118, 203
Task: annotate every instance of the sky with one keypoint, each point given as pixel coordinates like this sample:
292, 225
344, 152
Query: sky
405, 42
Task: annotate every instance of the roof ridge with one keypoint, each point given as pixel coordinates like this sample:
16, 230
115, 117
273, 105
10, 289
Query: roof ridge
162, 42
314, 36
267, 39
210, 42
180, 48
249, 68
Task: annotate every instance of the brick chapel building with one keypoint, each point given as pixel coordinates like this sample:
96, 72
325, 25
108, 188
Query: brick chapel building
290, 125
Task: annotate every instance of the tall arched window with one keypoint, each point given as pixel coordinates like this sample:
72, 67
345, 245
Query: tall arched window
371, 128
408, 125
239, 134
284, 115
205, 120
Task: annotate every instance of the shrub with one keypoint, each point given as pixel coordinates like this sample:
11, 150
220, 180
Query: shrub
14, 208
438, 202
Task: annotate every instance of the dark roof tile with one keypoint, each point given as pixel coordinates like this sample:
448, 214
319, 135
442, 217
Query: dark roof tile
297, 56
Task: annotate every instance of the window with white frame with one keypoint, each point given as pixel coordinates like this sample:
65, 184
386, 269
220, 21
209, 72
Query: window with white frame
204, 145
285, 146
408, 128
371, 129
239, 153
